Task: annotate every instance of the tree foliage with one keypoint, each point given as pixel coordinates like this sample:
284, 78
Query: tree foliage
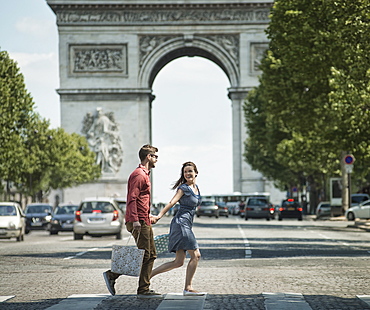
32, 156
313, 99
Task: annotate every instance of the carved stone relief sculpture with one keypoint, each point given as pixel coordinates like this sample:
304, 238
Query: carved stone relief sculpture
102, 134
183, 15
228, 42
98, 58
257, 54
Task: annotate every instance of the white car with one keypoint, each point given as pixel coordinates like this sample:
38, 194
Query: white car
97, 217
12, 221
361, 211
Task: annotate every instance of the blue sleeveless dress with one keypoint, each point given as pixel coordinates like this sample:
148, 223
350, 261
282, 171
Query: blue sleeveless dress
181, 236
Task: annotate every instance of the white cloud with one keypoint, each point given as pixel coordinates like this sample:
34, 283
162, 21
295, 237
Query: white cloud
35, 27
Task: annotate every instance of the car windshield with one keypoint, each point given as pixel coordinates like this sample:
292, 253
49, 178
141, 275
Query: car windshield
7, 211
257, 201
290, 204
358, 199
97, 206
38, 209
207, 203
66, 210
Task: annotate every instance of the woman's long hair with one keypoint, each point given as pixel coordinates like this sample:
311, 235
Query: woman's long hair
182, 179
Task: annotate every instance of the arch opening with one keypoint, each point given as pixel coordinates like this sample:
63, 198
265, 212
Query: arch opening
182, 52
192, 121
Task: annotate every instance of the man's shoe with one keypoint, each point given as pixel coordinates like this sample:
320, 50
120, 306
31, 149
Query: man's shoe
109, 282
150, 294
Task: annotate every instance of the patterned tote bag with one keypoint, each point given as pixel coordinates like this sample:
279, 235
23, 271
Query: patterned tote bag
127, 260
161, 243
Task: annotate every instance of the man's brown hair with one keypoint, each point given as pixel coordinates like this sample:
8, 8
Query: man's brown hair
145, 150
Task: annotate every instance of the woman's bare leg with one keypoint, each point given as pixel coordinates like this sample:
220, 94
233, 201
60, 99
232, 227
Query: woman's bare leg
178, 262
190, 270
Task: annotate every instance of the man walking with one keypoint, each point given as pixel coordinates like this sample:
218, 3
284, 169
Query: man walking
139, 220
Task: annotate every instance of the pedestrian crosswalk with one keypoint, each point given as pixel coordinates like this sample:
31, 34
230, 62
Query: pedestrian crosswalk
5, 298
176, 301
285, 301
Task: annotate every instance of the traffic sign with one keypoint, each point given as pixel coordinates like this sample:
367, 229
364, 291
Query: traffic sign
349, 159
349, 168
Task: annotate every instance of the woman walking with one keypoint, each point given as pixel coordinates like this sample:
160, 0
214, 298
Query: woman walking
181, 237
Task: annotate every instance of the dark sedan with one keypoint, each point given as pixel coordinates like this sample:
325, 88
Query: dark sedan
62, 219
290, 209
38, 215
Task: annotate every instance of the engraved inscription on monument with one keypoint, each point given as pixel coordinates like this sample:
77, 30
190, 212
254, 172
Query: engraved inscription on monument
98, 59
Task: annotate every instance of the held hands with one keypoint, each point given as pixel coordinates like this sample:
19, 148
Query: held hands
154, 218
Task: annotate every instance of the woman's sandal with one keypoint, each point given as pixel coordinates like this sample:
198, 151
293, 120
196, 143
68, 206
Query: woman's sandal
193, 293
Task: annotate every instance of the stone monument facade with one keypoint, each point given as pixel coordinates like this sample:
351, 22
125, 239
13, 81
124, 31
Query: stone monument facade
110, 52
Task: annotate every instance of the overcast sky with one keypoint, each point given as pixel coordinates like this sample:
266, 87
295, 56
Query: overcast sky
191, 112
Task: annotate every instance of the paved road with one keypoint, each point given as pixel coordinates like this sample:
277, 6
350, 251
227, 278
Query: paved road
251, 264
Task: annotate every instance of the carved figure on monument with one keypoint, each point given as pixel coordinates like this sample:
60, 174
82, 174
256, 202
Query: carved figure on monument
258, 53
89, 59
102, 135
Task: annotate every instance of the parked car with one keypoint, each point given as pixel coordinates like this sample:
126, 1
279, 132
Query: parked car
323, 209
62, 218
208, 208
38, 216
222, 209
290, 209
356, 199
258, 207
121, 201
233, 207
12, 221
362, 211
97, 217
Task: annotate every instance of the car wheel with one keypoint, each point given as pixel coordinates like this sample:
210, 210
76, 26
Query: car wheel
78, 236
227, 215
300, 219
53, 232
119, 236
27, 231
350, 216
267, 219
280, 218
246, 218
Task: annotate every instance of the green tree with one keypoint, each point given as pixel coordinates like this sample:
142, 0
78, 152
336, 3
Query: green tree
314, 90
16, 110
32, 156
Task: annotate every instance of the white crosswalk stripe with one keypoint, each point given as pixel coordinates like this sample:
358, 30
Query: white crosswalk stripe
5, 298
80, 302
364, 298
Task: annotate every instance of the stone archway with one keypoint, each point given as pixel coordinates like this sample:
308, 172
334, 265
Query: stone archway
111, 51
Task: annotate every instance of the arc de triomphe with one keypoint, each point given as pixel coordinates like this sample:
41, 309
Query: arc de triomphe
110, 52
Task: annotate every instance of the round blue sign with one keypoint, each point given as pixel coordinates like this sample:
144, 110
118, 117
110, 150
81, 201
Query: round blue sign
349, 159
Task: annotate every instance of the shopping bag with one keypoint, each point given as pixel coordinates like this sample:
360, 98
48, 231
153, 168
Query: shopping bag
161, 243
127, 260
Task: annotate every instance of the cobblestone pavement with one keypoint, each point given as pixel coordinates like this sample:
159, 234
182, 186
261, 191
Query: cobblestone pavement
325, 262
326, 282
